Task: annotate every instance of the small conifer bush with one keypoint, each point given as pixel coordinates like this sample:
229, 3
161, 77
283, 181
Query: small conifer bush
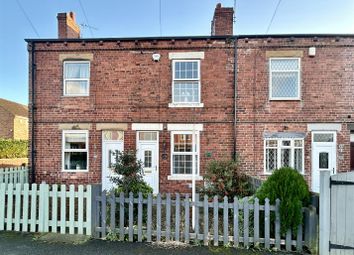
290, 187
129, 174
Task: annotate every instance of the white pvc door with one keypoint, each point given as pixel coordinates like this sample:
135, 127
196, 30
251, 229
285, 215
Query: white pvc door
148, 155
323, 156
108, 159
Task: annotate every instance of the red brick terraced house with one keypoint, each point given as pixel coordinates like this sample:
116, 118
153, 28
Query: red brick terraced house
269, 100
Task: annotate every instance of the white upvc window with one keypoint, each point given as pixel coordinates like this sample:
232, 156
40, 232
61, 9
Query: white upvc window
284, 78
184, 153
283, 153
76, 78
186, 83
75, 150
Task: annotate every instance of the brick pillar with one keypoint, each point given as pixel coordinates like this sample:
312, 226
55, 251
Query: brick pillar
222, 23
67, 27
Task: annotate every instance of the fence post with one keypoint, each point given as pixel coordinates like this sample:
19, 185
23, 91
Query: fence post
95, 191
325, 209
42, 209
311, 229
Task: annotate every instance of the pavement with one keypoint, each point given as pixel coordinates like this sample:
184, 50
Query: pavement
16, 243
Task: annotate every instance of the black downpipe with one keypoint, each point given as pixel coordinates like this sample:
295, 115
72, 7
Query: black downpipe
33, 78
235, 96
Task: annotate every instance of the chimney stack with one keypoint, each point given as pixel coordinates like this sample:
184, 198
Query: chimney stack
67, 27
222, 23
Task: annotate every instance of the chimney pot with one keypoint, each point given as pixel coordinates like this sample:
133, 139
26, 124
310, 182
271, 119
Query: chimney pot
222, 23
67, 27
72, 16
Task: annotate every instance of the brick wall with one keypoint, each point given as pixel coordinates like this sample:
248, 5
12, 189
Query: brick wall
326, 97
127, 86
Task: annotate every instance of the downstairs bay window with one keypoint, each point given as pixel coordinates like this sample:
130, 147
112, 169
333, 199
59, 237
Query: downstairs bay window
75, 150
283, 153
184, 153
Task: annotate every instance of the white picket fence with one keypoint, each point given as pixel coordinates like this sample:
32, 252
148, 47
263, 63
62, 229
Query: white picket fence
14, 175
241, 222
47, 209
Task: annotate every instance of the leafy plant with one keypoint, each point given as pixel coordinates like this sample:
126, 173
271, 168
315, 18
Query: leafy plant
130, 177
223, 178
291, 188
13, 148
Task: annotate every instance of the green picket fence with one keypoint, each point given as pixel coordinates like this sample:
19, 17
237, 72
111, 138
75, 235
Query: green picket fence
45, 208
14, 175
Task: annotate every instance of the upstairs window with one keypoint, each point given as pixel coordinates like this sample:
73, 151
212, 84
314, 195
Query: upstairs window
76, 78
186, 82
284, 78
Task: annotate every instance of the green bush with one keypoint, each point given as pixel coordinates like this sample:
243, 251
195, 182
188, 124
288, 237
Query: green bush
13, 148
223, 178
291, 188
130, 178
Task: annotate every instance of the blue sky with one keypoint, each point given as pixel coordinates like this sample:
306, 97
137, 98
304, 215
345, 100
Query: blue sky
118, 18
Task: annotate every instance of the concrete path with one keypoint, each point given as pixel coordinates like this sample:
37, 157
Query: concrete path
12, 243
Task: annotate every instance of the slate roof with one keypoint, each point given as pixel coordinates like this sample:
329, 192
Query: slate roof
14, 108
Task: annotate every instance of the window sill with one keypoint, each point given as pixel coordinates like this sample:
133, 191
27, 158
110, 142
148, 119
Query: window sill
183, 178
195, 105
75, 171
284, 99
79, 95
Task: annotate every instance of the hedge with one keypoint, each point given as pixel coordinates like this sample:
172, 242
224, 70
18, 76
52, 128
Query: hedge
13, 148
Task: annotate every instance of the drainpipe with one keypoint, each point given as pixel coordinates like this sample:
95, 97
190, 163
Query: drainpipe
235, 95
33, 72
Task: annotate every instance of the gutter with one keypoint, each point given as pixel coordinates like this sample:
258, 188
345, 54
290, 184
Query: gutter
198, 37
235, 97
33, 78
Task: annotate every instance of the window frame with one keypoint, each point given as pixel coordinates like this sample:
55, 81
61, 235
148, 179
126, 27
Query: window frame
86, 132
186, 104
195, 144
77, 79
279, 147
271, 97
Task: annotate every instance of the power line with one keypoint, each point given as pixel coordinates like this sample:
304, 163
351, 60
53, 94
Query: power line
275, 12
87, 22
27, 17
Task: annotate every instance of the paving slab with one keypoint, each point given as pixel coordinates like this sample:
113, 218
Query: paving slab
17, 243
60, 238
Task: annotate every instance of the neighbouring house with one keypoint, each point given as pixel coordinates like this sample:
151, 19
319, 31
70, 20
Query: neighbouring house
270, 100
13, 120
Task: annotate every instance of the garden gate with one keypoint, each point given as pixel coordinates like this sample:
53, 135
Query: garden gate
337, 224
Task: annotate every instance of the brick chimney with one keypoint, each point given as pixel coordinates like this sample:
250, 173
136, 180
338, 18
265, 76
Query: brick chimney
67, 27
222, 23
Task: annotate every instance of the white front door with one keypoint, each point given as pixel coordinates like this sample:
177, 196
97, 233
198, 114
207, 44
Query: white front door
109, 149
323, 156
147, 144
